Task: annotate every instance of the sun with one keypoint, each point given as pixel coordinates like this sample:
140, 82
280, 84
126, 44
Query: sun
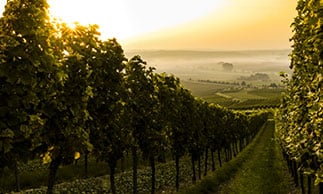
109, 15
124, 19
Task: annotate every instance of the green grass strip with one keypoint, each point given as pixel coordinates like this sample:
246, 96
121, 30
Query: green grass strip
248, 172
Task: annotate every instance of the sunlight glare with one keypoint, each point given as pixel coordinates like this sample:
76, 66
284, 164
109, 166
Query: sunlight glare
124, 19
111, 17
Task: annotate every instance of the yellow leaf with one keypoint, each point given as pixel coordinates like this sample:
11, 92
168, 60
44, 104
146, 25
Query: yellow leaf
47, 158
51, 148
77, 155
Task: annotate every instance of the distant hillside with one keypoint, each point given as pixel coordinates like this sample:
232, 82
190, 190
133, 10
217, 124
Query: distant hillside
209, 54
191, 64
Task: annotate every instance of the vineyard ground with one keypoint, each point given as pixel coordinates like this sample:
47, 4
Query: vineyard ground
165, 172
260, 168
264, 172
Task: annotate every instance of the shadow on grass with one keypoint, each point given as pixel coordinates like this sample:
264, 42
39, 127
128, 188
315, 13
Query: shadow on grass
212, 182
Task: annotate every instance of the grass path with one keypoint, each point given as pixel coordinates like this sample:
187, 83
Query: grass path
264, 171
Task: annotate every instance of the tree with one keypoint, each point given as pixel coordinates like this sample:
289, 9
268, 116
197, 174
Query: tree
28, 73
143, 105
227, 67
108, 131
215, 137
207, 127
273, 85
301, 110
201, 133
140, 88
169, 95
190, 122
66, 133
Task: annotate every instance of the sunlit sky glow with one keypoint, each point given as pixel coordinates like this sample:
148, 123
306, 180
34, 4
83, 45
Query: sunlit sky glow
184, 24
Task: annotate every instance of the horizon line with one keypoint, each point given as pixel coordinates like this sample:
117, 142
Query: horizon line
206, 50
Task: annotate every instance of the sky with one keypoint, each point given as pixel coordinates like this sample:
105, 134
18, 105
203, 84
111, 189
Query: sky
185, 24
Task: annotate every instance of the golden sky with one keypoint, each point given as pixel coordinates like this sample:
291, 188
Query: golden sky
240, 25
185, 24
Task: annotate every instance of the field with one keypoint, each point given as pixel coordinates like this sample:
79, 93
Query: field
253, 81
237, 97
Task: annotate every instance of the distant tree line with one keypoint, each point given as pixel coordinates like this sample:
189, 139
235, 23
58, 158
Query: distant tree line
243, 83
255, 77
221, 82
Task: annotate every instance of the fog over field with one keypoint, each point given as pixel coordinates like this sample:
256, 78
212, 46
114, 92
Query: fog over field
207, 65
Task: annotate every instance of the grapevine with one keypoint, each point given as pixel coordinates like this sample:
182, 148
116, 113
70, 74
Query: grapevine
301, 111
